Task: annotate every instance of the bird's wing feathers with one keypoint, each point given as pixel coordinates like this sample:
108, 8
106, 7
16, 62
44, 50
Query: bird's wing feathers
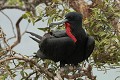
59, 33
89, 46
54, 47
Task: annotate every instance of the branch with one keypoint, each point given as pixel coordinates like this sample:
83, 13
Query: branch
11, 25
117, 77
81, 72
58, 76
12, 7
41, 69
18, 33
27, 78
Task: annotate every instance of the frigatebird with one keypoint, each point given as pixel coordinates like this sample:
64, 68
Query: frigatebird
70, 46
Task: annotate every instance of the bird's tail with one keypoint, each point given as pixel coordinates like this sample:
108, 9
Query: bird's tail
39, 38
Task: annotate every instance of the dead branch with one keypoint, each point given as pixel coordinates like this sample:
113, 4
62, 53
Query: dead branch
27, 78
59, 75
11, 25
117, 77
12, 7
41, 69
81, 72
18, 33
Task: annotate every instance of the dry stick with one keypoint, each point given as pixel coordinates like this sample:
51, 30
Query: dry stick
58, 76
9, 72
73, 76
41, 69
27, 78
49, 74
11, 25
117, 77
12, 7
18, 33
84, 72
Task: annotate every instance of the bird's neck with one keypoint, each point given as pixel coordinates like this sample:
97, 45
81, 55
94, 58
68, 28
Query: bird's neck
78, 31
73, 31
76, 28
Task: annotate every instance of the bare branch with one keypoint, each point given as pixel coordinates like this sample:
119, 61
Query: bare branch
27, 78
81, 72
12, 7
41, 69
18, 33
11, 25
117, 77
58, 76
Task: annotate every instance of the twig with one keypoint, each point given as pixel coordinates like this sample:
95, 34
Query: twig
73, 76
11, 25
81, 72
117, 77
4, 38
58, 76
27, 78
9, 72
41, 69
12, 7
18, 33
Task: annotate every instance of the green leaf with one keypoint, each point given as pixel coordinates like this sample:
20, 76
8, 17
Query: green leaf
22, 73
21, 63
24, 16
38, 19
28, 14
4, 76
102, 33
14, 75
29, 20
117, 14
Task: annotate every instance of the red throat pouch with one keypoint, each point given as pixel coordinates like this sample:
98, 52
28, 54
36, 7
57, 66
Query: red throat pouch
68, 32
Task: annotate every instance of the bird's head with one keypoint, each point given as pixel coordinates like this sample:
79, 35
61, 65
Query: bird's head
73, 17
73, 22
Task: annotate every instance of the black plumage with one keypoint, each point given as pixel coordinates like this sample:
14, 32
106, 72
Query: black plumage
60, 46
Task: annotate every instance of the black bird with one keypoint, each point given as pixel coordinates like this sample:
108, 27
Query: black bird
70, 46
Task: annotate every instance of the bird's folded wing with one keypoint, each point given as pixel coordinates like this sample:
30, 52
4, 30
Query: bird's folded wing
58, 47
59, 33
90, 44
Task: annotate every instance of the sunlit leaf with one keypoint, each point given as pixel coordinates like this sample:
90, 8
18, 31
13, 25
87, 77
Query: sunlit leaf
117, 14
22, 73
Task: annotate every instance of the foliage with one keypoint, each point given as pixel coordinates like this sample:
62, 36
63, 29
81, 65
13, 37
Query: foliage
15, 2
102, 24
103, 28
